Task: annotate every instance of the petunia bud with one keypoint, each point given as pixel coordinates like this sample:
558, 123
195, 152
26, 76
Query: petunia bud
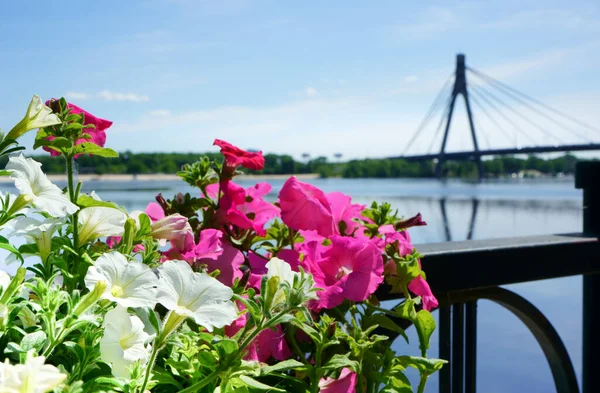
170, 227
91, 298
38, 116
175, 228
271, 293
14, 285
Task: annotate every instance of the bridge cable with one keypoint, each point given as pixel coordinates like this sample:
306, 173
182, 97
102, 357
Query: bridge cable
479, 105
429, 115
476, 92
547, 107
536, 110
542, 130
440, 124
508, 91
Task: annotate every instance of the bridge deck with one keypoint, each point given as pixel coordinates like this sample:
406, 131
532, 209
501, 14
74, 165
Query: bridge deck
465, 155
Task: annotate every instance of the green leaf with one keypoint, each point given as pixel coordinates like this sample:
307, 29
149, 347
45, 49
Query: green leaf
286, 365
427, 365
28, 248
33, 340
57, 143
13, 250
87, 201
407, 310
145, 224
338, 362
425, 325
386, 323
74, 126
4, 172
398, 384
13, 348
225, 347
253, 383
92, 148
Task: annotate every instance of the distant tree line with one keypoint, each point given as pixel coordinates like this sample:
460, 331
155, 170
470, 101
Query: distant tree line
143, 163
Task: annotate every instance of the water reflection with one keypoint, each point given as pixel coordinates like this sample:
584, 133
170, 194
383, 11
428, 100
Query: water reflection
474, 206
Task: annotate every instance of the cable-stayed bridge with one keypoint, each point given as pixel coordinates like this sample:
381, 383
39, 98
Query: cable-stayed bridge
504, 108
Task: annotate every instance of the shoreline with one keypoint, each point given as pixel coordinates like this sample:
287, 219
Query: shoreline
158, 177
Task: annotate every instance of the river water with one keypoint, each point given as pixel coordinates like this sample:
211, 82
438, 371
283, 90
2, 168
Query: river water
508, 357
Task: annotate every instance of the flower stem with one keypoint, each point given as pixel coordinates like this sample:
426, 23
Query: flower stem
422, 383
73, 197
315, 383
151, 362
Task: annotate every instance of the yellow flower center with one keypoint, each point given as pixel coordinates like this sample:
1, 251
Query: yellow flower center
116, 291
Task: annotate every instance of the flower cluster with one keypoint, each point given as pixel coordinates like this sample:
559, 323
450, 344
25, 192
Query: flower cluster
221, 290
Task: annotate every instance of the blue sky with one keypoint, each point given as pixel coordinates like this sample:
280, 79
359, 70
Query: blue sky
318, 77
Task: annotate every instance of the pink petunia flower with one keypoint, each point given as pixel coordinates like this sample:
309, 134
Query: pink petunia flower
304, 206
154, 211
346, 383
248, 209
347, 269
228, 262
402, 242
234, 156
209, 245
420, 287
268, 344
345, 211
97, 132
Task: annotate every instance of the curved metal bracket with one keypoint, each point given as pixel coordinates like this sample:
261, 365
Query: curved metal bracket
541, 328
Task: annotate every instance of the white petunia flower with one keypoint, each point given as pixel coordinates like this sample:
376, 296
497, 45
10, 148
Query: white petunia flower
99, 221
32, 377
39, 232
195, 295
130, 284
4, 281
38, 116
124, 341
35, 188
279, 268
282, 269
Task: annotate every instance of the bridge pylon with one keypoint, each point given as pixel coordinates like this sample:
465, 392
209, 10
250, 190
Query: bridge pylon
460, 88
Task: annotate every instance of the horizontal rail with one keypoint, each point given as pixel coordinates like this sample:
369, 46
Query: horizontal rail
476, 264
463, 155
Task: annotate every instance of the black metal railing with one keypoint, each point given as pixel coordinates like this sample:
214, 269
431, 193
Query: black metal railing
461, 273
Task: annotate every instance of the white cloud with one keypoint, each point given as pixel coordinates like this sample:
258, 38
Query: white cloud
411, 79
108, 95
76, 95
311, 91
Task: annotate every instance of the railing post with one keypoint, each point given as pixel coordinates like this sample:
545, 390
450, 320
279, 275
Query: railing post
587, 177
